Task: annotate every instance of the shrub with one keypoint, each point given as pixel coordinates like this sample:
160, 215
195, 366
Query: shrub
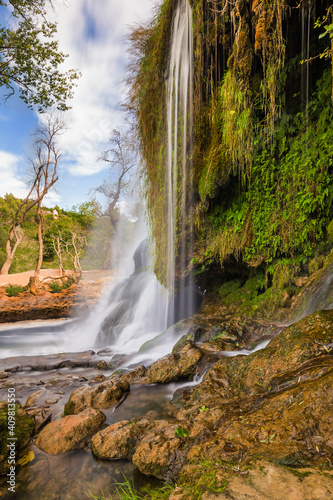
55, 287
14, 290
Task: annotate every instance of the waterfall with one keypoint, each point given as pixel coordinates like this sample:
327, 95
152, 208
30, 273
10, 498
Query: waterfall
137, 307
179, 163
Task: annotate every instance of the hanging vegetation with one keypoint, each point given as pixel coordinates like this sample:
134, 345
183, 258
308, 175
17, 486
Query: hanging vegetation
262, 153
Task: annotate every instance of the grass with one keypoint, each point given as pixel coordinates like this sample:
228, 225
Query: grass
14, 290
56, 287
126, 491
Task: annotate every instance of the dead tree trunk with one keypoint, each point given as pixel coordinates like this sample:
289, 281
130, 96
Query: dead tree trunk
10, 251
57, 248
76, 260
40, 240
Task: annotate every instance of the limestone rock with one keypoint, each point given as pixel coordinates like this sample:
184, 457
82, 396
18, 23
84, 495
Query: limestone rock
118, 441
135, 375
103, 395
175, 366
66, 434
268, 481
156, 453
32, 399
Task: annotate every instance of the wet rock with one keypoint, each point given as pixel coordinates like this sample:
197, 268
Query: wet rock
50, 362
157, 454
67, 433
103, 395
276, 403
174, 366
151, 444
268, 481
193, 334
97, 378
183, 328
118, 441
52, 401
135, 375
32, 399
289, 359
102, 365
23, 430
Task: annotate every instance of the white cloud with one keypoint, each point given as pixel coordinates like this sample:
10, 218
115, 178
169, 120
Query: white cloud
11, 181
92, 32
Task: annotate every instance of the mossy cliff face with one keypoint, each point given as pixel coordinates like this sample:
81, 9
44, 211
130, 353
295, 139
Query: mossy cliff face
263, 153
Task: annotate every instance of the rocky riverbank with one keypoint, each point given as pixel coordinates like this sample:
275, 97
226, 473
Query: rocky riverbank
241, 408
257, 425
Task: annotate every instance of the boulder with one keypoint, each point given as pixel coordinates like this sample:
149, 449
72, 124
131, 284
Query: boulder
175, 366
67, 433
135, 375
102, 395
151, 444
118, 441
158, 453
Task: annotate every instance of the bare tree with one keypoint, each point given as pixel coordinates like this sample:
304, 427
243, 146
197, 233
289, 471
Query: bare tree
43, 175
122, 159
58, 248
44, 166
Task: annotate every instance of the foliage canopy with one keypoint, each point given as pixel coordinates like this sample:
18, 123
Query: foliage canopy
30, 57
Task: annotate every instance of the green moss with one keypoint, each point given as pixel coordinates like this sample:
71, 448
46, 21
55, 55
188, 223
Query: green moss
23, 431
69, 408
230, 287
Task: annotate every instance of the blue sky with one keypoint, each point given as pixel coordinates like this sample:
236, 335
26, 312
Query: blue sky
92, 33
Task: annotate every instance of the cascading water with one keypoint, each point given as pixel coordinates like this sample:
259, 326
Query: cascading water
138, 309
179, 162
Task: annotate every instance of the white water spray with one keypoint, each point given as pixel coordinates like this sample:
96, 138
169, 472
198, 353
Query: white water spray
179, 145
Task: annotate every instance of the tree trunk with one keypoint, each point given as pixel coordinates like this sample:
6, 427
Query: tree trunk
61, 268
40, 241
10, 252
76, 261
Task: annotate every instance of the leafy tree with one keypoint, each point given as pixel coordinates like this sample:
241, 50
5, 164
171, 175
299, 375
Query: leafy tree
30, 56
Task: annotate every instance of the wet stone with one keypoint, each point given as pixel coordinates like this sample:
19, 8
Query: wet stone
67, 433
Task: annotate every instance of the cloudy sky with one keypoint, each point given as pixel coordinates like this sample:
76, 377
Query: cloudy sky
92, 33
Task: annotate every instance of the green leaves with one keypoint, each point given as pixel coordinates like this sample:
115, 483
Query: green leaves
30, 57
181, 432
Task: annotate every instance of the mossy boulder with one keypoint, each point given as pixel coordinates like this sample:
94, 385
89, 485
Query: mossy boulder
118, 441
158, 453
67, 433
151, 444
175, 366
102, 395
23, 431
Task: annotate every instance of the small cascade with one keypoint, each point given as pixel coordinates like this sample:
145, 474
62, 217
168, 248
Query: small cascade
179, 162
136, 307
